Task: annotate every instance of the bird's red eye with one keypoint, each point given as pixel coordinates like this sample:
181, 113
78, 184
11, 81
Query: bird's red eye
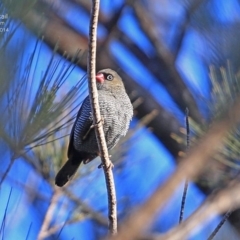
100, 77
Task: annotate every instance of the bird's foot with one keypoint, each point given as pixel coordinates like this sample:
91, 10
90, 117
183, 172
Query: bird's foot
100, 121
89, 159
85, 161
93, 126
111, 165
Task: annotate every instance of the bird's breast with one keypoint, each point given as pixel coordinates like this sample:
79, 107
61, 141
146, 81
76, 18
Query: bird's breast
117, 113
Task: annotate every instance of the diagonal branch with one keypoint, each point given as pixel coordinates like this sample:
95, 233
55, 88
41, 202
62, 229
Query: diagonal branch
107, 165
190, 167
49, 215
220, 203
164, 68
96, 216
181, 32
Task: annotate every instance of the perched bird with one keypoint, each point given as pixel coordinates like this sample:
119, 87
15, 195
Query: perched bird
116, 111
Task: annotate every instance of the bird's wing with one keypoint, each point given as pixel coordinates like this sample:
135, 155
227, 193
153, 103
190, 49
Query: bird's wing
81, 126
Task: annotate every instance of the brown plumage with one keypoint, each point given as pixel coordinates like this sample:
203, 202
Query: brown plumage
116, 111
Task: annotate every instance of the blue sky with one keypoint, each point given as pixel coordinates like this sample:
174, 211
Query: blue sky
148, 163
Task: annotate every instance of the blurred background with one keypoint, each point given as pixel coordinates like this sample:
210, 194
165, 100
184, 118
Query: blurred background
172, 55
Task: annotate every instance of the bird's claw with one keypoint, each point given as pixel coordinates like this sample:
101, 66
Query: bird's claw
91, 127
100, 121
111, 165
85, 161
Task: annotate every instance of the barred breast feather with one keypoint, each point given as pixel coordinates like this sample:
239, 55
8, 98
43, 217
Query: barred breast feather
116, 112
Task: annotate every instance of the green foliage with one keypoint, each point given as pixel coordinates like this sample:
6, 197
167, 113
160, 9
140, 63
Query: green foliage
225, 91
33, 114
35, 105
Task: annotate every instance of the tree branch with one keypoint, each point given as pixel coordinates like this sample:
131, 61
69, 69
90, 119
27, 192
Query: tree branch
189, 167
164, 67
220, 203
107, 165
181, 32
49, 215
86, 209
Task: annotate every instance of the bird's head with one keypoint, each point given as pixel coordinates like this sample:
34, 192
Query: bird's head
107, 79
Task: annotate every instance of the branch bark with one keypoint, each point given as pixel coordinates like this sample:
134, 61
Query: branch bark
107, 165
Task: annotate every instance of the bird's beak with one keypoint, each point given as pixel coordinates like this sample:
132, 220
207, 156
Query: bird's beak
100, 78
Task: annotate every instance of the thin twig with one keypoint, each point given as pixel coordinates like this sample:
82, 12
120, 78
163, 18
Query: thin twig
184, 196
28, 232
86, 209
2, 228
225, 218
107, 165
221, 202
4, 175
189, 167
49, 215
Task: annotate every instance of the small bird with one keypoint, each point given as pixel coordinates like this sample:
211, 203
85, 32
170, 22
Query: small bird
116, 111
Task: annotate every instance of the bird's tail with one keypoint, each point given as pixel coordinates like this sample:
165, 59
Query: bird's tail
66, 172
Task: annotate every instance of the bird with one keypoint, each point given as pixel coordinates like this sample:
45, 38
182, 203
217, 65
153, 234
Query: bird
116, 112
